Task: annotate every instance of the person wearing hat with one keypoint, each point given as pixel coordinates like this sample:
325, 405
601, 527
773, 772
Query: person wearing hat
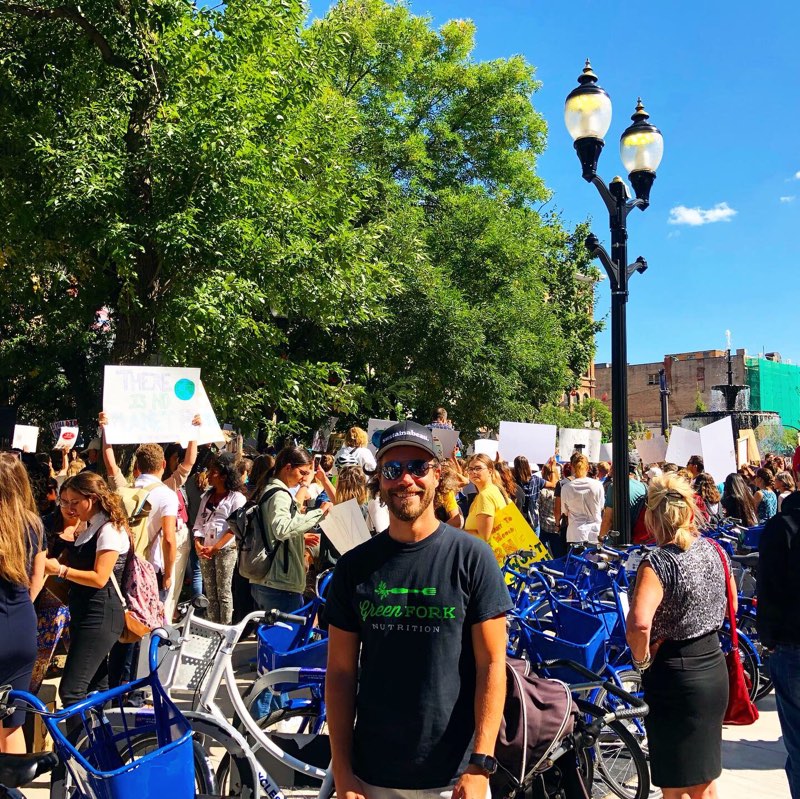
421, 608
638, 496
92, 456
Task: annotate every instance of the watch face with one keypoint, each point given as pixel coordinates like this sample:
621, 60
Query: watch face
485, 762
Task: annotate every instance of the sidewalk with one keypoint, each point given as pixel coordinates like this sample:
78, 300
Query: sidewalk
753, 758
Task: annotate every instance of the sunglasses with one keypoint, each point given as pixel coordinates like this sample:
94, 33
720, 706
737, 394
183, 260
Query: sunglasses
393, 470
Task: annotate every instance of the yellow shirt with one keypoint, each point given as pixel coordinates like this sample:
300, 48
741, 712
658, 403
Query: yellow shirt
488, 503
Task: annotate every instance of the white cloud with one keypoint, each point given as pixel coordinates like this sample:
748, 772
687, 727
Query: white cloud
797, 175
681, 215
788, 199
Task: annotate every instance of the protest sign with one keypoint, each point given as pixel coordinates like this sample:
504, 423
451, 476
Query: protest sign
486, 446
25, 437
683, 444
570, 439
537, 442
321, 436
445, 439
67, 438
741, 452
55, 427
345, 526
375, 430
753, 455
718, 450
512, 533
652, 450
157, 404
607, 453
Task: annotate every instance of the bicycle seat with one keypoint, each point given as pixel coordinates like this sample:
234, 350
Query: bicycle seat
19, 770
751, 559
199, 602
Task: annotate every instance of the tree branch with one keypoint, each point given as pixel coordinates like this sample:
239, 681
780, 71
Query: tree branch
92, 33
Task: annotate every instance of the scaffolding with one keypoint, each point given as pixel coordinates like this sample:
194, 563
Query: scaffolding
775, 387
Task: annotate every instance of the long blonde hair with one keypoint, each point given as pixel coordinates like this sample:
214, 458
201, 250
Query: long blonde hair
19, 521
671, 511
91, 485
351, 484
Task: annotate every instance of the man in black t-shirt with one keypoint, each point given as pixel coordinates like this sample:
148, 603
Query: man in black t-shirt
424, 605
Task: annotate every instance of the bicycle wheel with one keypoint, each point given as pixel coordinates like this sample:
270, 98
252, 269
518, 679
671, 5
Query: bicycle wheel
631, 681
747, 624
749, 660
619, 763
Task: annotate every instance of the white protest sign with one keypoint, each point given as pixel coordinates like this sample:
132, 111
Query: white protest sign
719, 451
67, 437
25, 437
741, 451
486, 446
652, 450
683, 444
537, 442
606, 453
345, 526
375, 430
446, 440
157, 404
569, 439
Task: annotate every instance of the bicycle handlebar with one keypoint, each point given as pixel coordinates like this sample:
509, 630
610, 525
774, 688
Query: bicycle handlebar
275, 615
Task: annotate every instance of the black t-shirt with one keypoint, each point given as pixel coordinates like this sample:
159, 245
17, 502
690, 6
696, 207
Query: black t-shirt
412, 606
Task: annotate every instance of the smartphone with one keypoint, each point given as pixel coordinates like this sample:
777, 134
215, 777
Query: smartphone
317, 459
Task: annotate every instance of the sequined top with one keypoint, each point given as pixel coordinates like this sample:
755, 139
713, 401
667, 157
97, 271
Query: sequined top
695, 597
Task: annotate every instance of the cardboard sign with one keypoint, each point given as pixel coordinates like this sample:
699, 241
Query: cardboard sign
55, 427
486, 446
719, 452
511, 533
345, 526
652, 450
67, 438
683, 444
446, 440
753, 455
537, 442
570, 439
157, 404
607, 453
741, 452
26, 437
375, 430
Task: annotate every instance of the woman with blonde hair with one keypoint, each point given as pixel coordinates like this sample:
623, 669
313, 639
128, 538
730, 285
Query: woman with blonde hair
92, 564
678, 606
355, 451
21, 578
490, 500
582, 501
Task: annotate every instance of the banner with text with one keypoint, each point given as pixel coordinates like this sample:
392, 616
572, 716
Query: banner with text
511, 533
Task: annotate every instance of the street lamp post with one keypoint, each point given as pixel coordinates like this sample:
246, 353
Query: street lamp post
664, 392
587, 115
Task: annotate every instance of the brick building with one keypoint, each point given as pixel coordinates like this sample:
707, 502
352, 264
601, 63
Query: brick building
690, 376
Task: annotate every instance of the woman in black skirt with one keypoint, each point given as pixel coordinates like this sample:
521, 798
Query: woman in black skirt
677, 608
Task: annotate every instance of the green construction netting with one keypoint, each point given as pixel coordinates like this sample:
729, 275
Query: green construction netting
774, 387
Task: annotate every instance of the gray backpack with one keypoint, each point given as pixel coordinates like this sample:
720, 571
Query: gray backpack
256, 551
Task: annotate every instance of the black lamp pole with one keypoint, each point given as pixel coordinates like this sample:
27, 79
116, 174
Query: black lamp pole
663, 389
619, 205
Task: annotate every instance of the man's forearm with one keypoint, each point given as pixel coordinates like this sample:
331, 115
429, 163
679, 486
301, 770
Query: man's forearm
490, 697
340, 705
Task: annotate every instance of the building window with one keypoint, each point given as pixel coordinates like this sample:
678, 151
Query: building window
701, 374
652, 379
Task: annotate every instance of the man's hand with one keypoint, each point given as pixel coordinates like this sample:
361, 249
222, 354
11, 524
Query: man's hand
350, 787
102, 419
472, 784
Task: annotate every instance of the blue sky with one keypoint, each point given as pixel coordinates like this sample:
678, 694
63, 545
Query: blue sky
719, 80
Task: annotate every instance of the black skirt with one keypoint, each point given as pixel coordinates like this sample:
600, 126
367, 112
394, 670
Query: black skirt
686, 689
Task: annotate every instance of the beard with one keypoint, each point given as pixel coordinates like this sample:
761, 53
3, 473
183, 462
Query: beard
405, 505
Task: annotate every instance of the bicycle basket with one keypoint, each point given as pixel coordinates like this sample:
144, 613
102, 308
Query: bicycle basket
110, 763
277, 648
197, 652
567, 634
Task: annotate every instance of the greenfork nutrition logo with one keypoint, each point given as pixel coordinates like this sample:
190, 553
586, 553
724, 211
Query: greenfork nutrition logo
369, 609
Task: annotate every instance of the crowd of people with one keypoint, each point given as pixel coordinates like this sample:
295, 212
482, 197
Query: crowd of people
68, 526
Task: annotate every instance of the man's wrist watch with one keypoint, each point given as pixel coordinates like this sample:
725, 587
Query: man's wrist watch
484, 762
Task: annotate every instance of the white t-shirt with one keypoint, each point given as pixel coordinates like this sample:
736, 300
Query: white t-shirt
582, 500
211, 524
108, 536
377, 516
163, 502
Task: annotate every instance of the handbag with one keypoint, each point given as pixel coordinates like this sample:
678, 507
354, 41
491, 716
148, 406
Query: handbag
741, 710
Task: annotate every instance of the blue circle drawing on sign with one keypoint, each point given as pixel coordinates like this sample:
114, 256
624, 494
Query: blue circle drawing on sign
184, 389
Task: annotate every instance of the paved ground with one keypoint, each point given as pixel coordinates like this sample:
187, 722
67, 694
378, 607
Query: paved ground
753, 758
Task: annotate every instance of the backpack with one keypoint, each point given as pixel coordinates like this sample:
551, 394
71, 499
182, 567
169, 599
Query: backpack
538, 714
137, 507
140, 599
256, 553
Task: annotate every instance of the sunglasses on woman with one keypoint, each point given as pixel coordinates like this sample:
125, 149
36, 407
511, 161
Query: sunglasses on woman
393, 470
